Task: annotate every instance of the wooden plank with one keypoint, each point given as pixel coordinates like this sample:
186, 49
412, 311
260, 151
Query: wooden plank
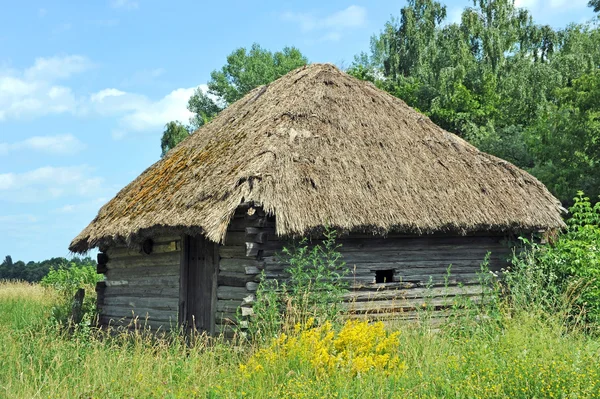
141, 324
238, 251
414, 293
166, 259
240, 265
237, 293
136, 251
233, 279
229, 306
233, 238
142, 292
159, 303
125, 311
139, 272
400, 305
149, 281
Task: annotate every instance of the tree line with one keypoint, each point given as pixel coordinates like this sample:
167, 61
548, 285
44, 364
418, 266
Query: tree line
525, 92
35, 271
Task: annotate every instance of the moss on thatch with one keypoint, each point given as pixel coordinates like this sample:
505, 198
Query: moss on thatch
318, 147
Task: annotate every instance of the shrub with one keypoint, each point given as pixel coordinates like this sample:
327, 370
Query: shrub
564, 275
313, 290
67, 281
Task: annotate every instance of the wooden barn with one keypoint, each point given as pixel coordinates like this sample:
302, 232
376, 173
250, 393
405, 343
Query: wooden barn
189, 237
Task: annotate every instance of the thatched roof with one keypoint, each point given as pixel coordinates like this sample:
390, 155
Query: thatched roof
317, 147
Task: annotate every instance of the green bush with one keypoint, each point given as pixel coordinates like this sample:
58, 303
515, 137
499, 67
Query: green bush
565, 274
313, 290
67, 280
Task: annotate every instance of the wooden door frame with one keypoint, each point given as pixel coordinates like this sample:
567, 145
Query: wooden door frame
211, 251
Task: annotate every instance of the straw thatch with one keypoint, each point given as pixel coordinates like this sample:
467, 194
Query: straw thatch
318, 147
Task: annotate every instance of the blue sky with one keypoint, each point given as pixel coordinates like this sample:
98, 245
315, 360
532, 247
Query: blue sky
85, 90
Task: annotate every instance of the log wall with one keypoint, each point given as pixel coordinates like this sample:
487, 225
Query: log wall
427, 271
142, 286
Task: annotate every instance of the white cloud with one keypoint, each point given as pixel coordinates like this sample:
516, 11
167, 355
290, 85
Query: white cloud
57, 67
137, 113
35, 92
86, 206
126, 4
351, 17
59, 144
102, 94
49, 182
155, 114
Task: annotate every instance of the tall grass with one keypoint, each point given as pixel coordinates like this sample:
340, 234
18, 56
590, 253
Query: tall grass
518, 355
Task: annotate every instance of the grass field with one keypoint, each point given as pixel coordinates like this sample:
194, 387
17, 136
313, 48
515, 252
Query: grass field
523, 356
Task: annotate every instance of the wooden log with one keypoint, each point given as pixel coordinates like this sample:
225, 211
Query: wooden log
246, 266
253, 250
159, 303
141, 292
229, 306
247, 311
235, 238
239, 224
139, 272
170, 281
238, 251
251, 286
152, 260
142, 313
140, 324
414, 293
400, 305
136, 251
237, 293
233, 279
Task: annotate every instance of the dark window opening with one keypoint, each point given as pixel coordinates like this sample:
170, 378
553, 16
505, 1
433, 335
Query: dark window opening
384, 276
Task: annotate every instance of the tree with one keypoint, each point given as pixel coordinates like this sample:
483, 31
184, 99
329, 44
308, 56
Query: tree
595, 4
500, 81
174, 133
245, 70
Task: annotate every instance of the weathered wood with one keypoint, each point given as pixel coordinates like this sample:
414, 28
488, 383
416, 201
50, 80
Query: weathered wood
240, 265
233, 279
413, 293
201, 283
77, 306
139, 272
228, 306
125, 311
253, 249
142, 292
256, 235
238, 251
125, 252
237, 293
138, 323
158, 303
148, 281
233, 238
240, 223
153, 260
251, 286
247, 311
402, 305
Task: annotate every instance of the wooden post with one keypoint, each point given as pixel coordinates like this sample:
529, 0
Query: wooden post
77, 307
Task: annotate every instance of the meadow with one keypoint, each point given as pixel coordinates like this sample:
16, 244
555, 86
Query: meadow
509, 354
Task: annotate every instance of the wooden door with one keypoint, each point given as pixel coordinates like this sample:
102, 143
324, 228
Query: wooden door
198, 284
